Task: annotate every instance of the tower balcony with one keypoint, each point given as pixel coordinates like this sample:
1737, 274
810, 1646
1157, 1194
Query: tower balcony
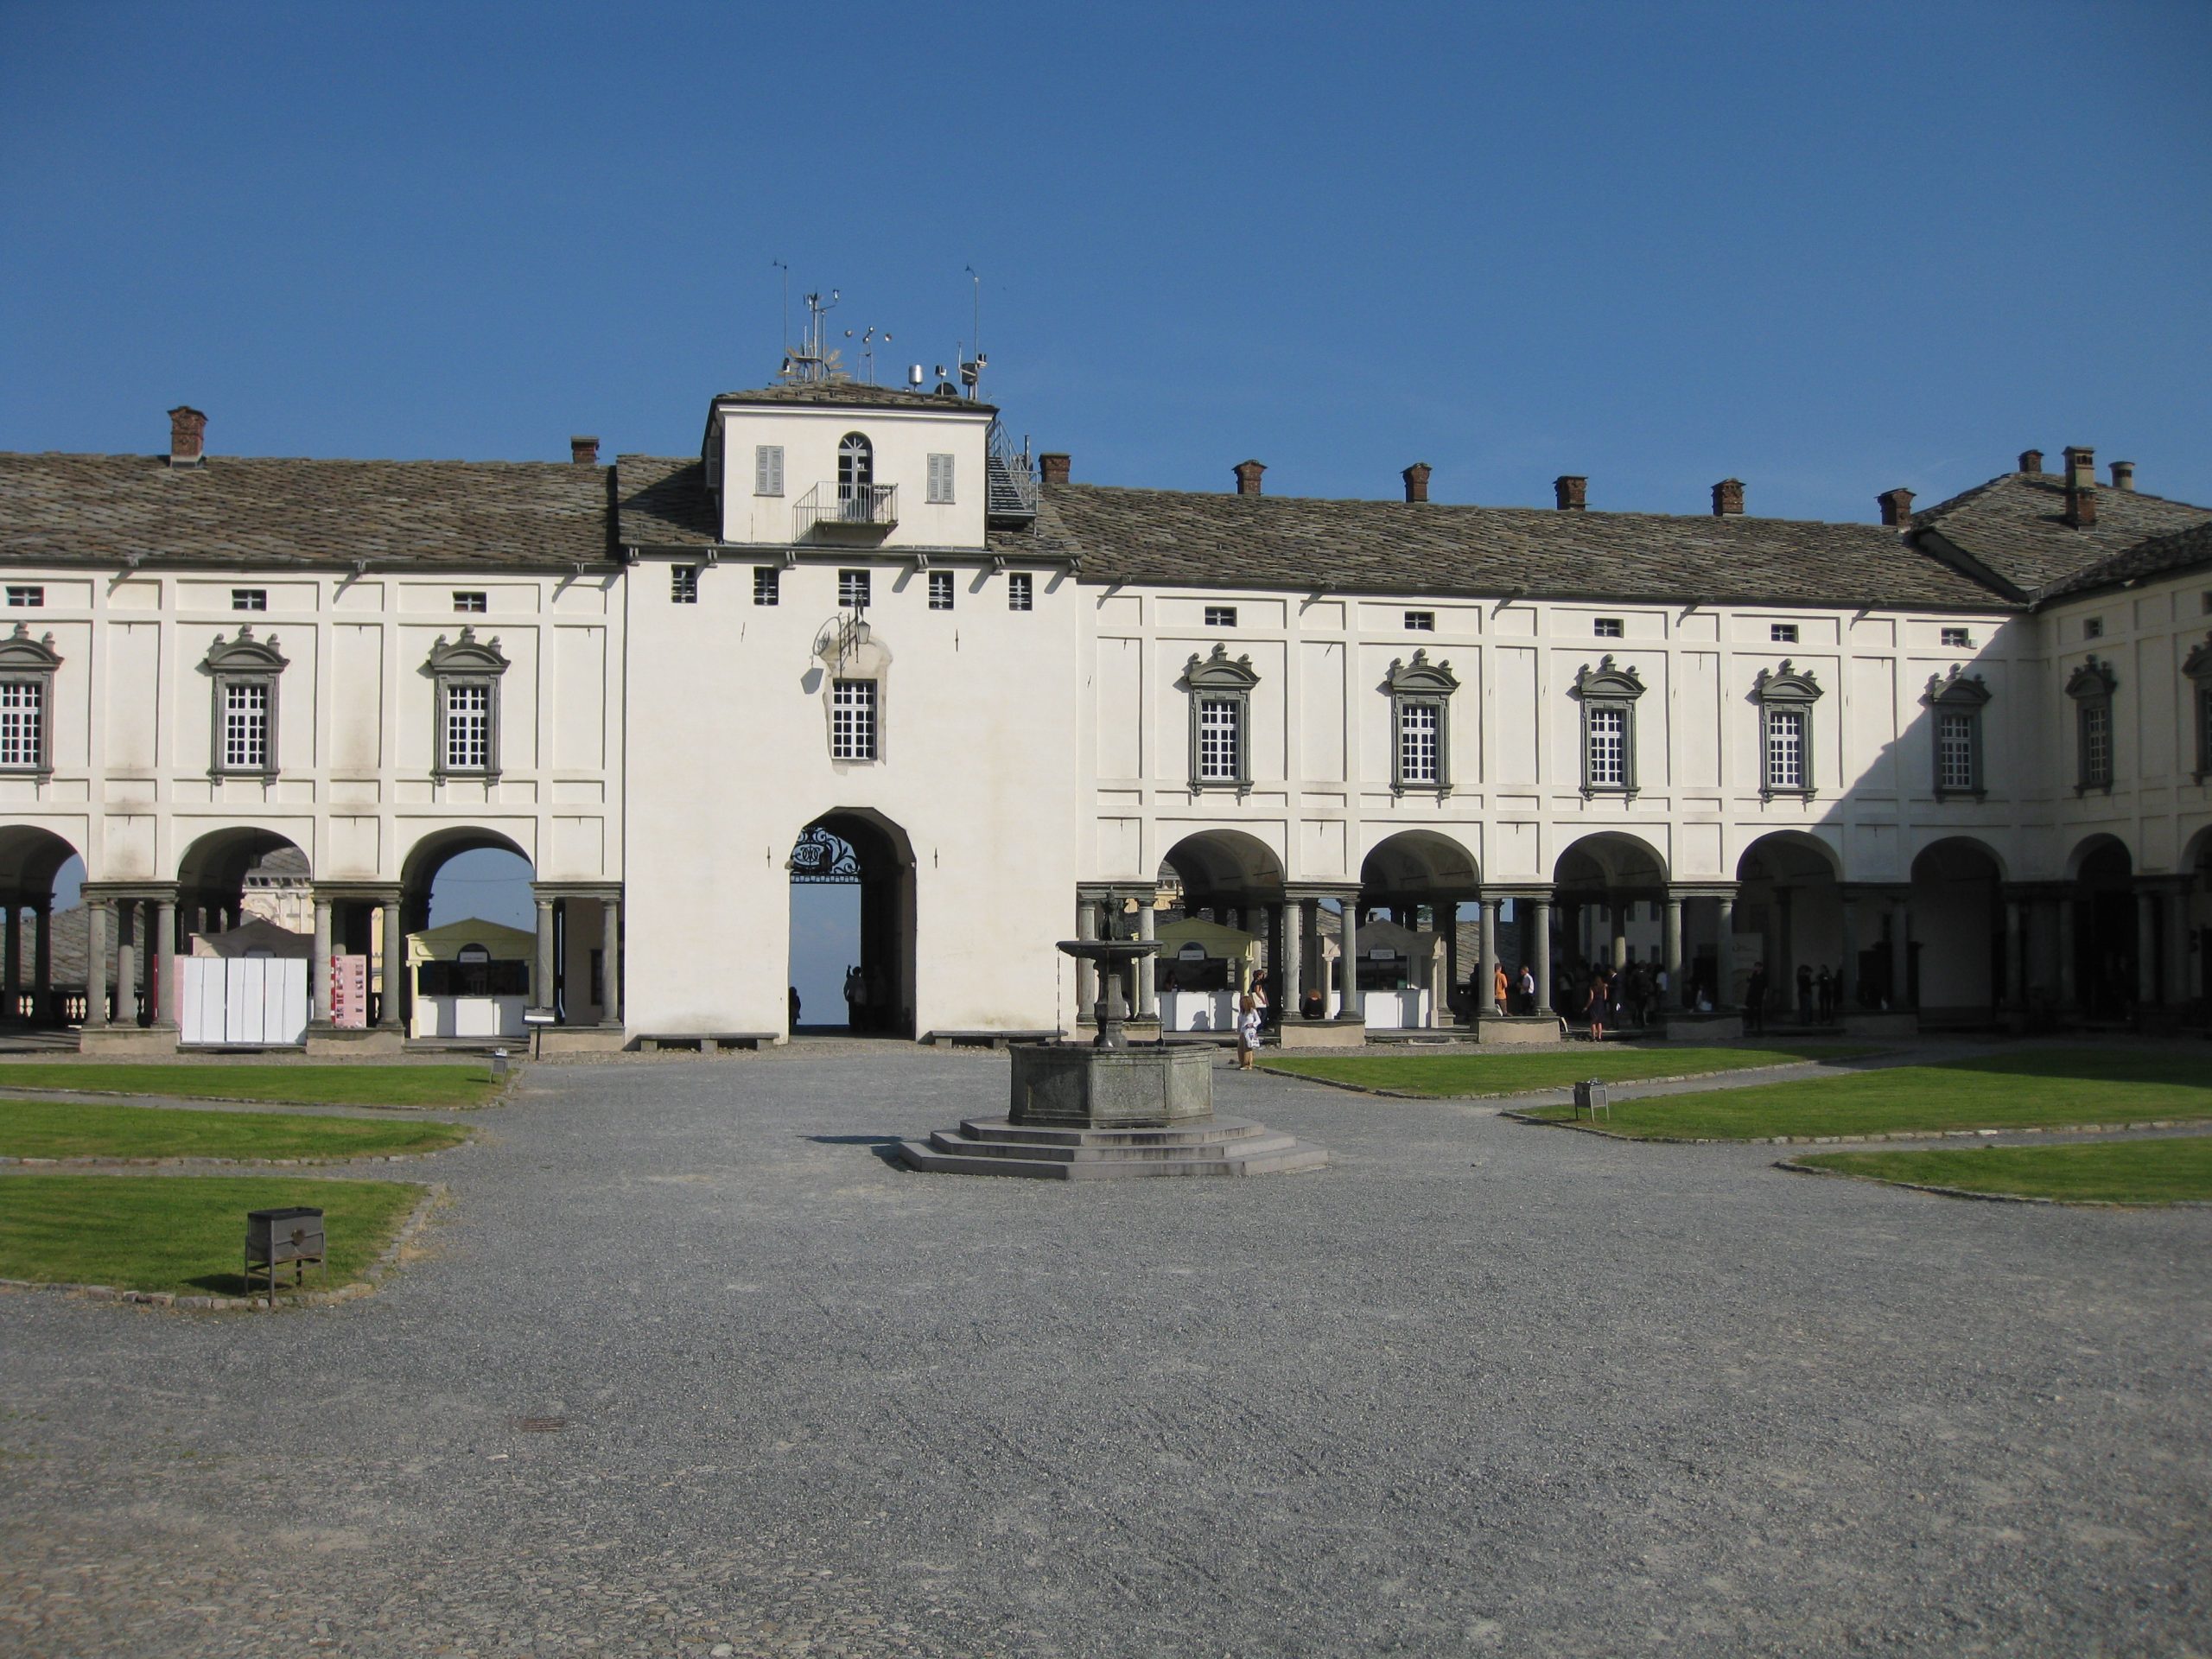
855, 511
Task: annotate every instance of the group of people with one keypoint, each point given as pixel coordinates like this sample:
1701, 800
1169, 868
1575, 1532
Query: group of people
867, 1000
1604, 995
1818, 995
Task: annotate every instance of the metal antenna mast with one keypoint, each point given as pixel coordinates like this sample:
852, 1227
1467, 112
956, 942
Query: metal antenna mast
784, 344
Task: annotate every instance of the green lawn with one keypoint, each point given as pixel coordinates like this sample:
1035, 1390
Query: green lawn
2033, 1088
359, 1085
59, 1128
2163, 1170
1510, 1071
182, 1234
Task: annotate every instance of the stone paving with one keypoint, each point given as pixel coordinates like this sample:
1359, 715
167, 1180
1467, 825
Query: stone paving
685, 1367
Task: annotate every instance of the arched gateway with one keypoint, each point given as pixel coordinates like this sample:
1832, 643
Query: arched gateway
858, 847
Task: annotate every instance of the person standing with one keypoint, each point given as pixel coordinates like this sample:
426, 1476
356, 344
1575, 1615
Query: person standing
1824, 994
1599, 991
856, 994
1497, 989
1804, 993
1247, 1027
1755, 1000
1528, 989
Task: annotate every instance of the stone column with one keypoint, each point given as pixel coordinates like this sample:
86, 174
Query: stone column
1148, 983
126, 962
1486, 959
2016, 953
1617, 912
1540, 923
170, 1011
1291, 987
2066, 949
1785, 934
1900, 956
1724, 953
1349, 1005
1847, 972
2178, 991
540, 990
1316, 959
1446, 920
42, 961
321, 969
1086, 973
96, 963
2147, 947
1670, 949
610, 961
11, 960
395, 965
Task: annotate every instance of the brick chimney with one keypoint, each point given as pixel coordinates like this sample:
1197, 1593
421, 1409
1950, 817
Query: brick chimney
187, 436
1573, 491
584, 451
2080, 487
1896, 508
2031, 460
1248, 477
1053, 466
1416, 477
1727, 498
2123, 474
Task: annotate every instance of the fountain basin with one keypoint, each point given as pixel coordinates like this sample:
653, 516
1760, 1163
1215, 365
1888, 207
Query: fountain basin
1082, 1087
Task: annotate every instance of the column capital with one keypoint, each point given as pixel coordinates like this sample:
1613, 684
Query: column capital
1492, 892
1681, 890
128, 893
363, 892
1336, 890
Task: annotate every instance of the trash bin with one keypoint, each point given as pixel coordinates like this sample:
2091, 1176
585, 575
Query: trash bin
1591, 1097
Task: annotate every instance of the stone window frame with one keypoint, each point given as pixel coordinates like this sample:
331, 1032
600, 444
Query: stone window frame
1958, 693
2196, 668
26, 661
943, 592
1021, 590
767, 585
2091, 686
1786, 690
472, 662
1421, 685
243, 661
683, 584
1219, 678
1608, 686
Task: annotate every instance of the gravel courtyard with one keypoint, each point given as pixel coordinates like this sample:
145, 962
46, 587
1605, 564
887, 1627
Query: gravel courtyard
1479, 1388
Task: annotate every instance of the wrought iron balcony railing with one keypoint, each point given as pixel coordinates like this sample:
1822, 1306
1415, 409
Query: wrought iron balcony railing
832, 507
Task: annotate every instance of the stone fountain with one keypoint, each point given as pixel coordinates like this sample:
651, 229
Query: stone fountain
1110, 1109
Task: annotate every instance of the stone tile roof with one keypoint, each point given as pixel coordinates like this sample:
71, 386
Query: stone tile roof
2015, 527
850, 394
1205, 540
257, 512
662, 501
2160, 555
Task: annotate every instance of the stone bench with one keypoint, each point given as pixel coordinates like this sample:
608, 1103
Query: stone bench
706, 1042
992, 1040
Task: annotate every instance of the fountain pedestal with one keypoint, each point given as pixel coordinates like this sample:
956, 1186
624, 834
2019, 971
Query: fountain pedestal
1108, 1110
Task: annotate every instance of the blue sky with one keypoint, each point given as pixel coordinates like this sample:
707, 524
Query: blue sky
1827, 250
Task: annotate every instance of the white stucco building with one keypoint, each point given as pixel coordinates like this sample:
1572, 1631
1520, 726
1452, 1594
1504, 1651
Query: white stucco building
1961, 756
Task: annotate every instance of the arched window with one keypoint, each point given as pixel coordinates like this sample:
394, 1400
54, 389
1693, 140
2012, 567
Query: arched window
856, 475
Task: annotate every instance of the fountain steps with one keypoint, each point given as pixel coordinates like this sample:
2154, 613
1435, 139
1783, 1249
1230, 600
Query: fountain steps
1211, 1146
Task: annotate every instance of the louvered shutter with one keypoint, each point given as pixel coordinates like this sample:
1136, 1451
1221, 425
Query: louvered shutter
768, 470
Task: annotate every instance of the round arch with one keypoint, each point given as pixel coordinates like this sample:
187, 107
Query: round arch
32, 858
1608, 860
424, 862
2105, 960
1956, 969
1789, 894
1223, 867
859, 847
1599, 881
2100, 857
1417, 866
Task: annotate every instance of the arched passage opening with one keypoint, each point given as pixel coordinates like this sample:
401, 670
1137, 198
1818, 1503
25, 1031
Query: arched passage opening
1955, 970
852, 933
2106, 970
1788, 897
2193, 945
476, 952
1417, 879
1232, 884
39, 869
1609, 890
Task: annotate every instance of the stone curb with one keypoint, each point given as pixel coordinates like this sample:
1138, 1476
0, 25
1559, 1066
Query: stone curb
1795, 1168
368, 1285
1555, 1088
1859, 1139
95, 1162
8, 1091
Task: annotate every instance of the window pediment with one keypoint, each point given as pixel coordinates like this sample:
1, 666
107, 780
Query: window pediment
1786, 684
245, 655
1219, 673
1956, 690
466, 655
1420, 677
1607, 681
2092, 679
21, 654
2197, 665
